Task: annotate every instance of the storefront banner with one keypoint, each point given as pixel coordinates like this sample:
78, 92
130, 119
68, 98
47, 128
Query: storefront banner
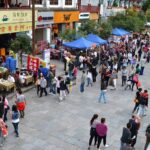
66, 16
16, 27
46, 57
45, 18
16, 16
33, 63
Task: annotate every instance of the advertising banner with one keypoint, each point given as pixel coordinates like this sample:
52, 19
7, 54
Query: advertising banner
33, 63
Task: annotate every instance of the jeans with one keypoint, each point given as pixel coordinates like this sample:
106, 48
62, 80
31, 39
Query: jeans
82, 87
1, 137
102, 94
141, 111
53, 88
16, 128
62, 95
89, 81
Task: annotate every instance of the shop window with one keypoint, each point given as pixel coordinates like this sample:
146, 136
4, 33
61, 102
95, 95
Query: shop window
38, 2
53, 2
68, 2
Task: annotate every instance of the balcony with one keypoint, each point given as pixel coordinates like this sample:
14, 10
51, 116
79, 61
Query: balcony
89, 8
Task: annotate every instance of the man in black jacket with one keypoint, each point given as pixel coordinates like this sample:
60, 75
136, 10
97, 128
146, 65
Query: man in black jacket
126, 137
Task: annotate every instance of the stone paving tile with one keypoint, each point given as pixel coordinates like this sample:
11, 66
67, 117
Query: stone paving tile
50, 125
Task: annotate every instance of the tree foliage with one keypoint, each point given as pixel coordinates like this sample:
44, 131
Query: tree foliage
148, 15
21, 43
132, 20
146, 5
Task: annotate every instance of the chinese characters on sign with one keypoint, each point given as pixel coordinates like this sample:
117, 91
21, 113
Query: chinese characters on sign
16, 21
10, 28
33, 63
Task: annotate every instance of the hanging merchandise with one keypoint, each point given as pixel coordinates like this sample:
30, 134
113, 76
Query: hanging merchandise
33, 63
24, 61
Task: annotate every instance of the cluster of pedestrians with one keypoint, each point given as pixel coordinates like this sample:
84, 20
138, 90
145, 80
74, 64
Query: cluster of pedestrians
15, 113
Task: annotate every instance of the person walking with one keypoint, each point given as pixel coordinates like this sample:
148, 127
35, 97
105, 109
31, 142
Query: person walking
124, 76
93, 134
83, 79
38, 85
126, 137
142, 103
21, 102
89, 78
43, 84
147, 143
134, 130
137, 100
114, 77
135, 80
103, 91
6, 107
2, 125
15, 119
62, 89
101, 130
1, 107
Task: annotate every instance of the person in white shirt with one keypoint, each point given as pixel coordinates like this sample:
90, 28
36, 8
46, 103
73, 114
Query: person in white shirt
11, 79
89, 78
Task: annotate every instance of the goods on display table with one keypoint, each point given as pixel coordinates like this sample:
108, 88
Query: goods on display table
3, 72
28, 79
6, 85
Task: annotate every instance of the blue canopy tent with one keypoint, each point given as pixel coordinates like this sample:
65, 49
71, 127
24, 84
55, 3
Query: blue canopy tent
96, 39
120, 32
81, 43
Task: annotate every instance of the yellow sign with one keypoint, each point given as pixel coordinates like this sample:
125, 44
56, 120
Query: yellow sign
15, 16
66, 16
94, 16
15, 27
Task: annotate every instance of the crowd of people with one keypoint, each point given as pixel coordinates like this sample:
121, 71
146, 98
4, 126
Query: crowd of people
126, 58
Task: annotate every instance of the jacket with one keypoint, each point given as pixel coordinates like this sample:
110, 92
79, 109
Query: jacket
126, 136
101, 129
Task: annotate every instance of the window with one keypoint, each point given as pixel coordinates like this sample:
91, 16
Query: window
53, 2
38, 2
68, 2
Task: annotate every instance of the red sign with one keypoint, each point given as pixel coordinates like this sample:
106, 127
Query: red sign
33, 63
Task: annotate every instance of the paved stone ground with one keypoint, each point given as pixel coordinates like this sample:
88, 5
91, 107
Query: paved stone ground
50, 125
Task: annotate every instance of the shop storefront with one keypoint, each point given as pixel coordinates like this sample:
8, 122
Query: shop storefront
64, 20
43, 29
94, 16
14, 21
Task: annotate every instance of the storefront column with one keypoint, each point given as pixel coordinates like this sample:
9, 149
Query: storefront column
47, 35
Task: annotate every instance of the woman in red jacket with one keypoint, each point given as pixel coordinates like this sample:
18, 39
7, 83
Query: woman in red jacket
101, 130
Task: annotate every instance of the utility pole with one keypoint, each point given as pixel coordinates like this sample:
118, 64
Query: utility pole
33, 27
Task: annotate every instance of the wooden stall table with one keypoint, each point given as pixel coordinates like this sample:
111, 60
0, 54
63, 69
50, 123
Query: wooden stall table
6, 85
28, 79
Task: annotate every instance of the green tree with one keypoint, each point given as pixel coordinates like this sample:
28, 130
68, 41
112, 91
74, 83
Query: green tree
105, 30
146, 5
88, 27
148, 15
22, 43
68, 35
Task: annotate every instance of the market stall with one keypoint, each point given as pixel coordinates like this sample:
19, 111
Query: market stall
6, 85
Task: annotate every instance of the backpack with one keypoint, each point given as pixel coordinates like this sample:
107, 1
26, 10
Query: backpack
15, 115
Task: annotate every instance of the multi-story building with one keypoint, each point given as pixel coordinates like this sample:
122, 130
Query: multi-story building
89, 9
51, 16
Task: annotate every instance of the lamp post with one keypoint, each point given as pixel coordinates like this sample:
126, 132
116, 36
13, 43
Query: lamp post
33, 27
